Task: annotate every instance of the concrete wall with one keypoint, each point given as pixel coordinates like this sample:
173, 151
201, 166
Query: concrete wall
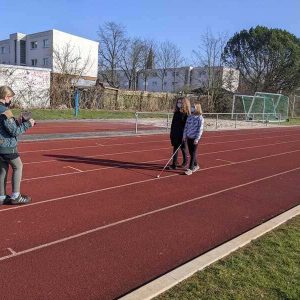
31, 85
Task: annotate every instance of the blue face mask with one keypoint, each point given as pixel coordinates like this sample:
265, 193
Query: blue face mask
192, 109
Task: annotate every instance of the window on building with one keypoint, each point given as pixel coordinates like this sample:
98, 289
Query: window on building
46, 61
154, 83
174, 83
46, 43
23, 52
34, 62
33, 45
2, 50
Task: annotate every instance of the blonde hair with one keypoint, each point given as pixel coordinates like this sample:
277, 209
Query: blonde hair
186, 106
6, 91
198, 109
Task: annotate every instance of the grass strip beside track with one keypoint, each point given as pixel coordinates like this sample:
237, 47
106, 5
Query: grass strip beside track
268, 268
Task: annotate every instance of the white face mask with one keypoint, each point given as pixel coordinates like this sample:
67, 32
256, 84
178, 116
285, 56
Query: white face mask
179, 105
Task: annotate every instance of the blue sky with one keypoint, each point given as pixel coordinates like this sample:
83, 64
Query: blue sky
181, 22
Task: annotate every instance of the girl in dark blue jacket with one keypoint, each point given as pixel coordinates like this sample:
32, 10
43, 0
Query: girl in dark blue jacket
181, 112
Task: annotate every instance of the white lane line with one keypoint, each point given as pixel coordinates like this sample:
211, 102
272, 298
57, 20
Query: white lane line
80, 171
91, 146
93, 156
133, 143
147, 150
12, 251
261, 130
165, 282
227, 161
149, 161
141, 181
144, 215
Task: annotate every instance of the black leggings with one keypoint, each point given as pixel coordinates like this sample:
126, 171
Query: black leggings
183, 150
193, 153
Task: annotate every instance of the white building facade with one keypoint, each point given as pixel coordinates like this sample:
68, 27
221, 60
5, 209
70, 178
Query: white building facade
46, 49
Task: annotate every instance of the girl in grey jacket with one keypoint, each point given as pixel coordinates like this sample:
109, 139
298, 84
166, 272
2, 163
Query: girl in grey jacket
10, 129
192, 133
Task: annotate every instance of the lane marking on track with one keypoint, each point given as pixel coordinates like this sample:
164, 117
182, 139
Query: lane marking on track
80, 171
13, 252
228, 161
149, 161
133, 143
233, 133
147, 150
91, 146
143, 215
141, 182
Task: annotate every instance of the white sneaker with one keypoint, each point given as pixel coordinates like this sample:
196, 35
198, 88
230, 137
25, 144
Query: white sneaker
188, 172
196, 168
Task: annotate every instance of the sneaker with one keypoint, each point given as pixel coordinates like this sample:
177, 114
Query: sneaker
171, 167
6, 200
21, 199
188, 172
196, 168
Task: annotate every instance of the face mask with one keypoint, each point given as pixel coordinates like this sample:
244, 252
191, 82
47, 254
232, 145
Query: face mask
192, 109
179, 105
7, 104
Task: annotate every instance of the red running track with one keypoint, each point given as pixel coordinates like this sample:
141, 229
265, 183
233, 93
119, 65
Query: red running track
101, 224
86, 126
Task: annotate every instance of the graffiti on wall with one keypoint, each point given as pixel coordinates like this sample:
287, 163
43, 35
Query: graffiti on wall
31, 86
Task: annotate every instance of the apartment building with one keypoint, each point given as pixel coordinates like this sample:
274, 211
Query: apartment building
178, 79
47, 50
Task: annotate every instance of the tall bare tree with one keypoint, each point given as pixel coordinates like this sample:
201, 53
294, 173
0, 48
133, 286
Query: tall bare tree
168, 57
208, 56
132, 61
148, 61
68, 67
112, 42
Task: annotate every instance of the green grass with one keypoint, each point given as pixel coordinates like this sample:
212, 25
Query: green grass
56, 114
294, 121
268, 268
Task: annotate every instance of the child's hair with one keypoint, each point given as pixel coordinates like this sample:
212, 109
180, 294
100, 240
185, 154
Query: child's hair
198, 109
186, 106
6, 91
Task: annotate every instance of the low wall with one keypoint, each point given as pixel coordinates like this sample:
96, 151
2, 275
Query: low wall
31, 85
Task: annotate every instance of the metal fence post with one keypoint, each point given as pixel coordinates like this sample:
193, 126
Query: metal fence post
168, 120
217, 121
235, 121
76, 103
136, 122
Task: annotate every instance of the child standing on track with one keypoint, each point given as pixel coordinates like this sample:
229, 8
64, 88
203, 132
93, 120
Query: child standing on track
192, 133
181, 112
9, 156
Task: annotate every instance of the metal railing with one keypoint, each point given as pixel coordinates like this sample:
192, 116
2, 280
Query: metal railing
214, 120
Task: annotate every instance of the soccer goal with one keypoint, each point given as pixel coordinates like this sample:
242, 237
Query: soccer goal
266, 107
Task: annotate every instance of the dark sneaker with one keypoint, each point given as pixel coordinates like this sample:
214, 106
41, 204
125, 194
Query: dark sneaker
21, 199
7, 200
171, 167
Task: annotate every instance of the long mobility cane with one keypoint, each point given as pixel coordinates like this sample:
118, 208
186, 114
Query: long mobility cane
168, 161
